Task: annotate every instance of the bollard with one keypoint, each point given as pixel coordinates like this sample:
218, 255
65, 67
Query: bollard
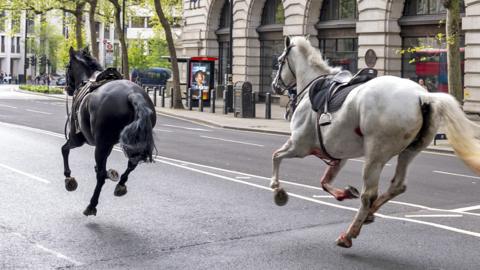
200, 101
268, 106
212, 100
155, 96
189, 99
171, 97
225, 108
162, 92
254, 105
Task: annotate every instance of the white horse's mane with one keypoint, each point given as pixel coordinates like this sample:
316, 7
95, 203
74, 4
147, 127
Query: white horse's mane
313, 55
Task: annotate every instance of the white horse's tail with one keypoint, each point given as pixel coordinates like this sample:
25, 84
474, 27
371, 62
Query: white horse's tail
461, 131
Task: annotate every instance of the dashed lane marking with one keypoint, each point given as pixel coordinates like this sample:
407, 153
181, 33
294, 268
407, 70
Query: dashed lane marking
7, 106
35, 111
187, 128
446, 215
469, 208
39, 179
457, 174
232, 141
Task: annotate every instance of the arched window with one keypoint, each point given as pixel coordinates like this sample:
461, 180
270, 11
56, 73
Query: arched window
424, 48
223, 42
271, 42
337, 38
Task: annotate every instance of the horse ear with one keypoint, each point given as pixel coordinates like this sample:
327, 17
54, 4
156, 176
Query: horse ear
86, 50
287, 41
71, 51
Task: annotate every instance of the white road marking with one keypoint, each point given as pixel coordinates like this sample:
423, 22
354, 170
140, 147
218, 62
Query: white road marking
457, 174
436, 225
447, 215
59, 255
25, 174
363, 161
162, 130
8, 106
323, 196
38, 111
159, 159
232, 141
242, 177
432, 209
465, 209
188, 128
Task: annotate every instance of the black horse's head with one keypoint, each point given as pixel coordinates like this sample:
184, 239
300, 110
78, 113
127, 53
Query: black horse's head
79, 69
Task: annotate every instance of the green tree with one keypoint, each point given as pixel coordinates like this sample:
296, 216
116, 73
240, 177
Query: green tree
177, 94
453, 48
136, 54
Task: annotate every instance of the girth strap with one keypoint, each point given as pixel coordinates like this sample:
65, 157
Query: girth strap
329, 160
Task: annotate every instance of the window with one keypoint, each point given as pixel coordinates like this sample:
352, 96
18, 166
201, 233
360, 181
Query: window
2, 46
97, 29
273, 12
427, 7
106, 34
12, 45
2, 21
340, 52
339, 10
18, 44
138, 22
225, 15
30, 25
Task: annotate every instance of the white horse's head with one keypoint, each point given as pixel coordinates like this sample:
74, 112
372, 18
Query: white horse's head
300, 62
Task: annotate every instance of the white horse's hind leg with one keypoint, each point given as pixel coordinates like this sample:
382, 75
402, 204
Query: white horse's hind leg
397, 185
371, 175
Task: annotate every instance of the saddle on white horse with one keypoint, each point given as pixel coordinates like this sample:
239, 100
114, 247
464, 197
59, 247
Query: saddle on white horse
327, 94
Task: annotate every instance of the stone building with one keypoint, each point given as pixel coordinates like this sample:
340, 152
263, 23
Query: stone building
344, 30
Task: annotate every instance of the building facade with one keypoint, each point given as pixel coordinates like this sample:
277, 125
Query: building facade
349, 33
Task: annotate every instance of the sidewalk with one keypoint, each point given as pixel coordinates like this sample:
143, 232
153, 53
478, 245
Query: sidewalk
276, 125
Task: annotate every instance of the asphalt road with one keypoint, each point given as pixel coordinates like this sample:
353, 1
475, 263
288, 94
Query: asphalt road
205, 204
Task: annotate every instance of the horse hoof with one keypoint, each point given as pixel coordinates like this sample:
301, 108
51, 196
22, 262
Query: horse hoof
344, 241
120, 190
370, 219
352, 193
113, 175
90, 211
280, 197
70, 184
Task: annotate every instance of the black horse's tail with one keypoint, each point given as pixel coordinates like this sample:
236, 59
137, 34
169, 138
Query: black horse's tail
136, 138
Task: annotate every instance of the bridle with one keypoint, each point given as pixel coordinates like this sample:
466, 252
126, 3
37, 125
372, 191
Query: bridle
279, 83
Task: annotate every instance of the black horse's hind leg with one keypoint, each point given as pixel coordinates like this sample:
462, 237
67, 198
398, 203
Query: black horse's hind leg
121, 189
101, 154
73, 142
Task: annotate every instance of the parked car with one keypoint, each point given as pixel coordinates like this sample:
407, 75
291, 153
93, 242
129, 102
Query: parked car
7, 79
151, 76
61, 81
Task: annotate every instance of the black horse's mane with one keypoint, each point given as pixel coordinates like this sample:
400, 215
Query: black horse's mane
88, 60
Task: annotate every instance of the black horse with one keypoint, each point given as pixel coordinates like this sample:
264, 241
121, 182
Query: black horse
117, 111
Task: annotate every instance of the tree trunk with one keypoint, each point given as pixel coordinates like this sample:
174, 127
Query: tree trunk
78, 24
177, 94
121, 38
453, 49
93, 33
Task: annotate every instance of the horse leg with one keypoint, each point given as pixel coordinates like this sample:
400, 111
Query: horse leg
371, 175
327, 180
286, 151
101, 154
73, 142
121, 189
397, 185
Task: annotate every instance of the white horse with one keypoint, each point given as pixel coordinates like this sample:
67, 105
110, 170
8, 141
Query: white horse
385, 117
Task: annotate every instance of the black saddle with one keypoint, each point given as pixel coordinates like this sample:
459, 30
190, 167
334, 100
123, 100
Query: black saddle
328, 93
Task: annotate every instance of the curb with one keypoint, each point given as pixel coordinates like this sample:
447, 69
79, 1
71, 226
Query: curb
211, 123
37, 94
